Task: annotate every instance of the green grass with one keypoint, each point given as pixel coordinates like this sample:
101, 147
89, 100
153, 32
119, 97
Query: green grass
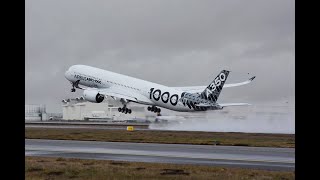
174, 137
61, 168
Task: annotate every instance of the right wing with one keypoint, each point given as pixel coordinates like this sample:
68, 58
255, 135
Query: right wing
199, 89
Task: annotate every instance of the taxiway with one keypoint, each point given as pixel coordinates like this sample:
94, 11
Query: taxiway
231, 156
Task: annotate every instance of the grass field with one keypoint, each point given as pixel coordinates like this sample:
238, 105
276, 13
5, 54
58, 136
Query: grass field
174, 137
60, 168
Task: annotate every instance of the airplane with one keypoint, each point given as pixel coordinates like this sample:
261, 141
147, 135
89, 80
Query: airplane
100, 84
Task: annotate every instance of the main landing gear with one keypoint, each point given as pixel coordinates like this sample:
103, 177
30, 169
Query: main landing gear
124, 110
154, 109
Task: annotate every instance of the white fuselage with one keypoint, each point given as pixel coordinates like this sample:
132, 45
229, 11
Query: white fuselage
159, 95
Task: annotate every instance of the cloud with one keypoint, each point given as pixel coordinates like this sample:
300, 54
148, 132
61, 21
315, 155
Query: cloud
175, 43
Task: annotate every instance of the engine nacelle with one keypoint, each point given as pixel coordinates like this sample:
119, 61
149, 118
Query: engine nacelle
93, 96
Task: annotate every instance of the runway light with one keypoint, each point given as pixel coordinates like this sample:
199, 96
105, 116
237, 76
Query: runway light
130, 128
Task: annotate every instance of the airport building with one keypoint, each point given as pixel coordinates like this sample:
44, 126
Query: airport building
80, 109
35, 112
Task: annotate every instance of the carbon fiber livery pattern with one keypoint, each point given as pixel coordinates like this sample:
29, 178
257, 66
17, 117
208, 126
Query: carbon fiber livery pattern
212, 92
209, 96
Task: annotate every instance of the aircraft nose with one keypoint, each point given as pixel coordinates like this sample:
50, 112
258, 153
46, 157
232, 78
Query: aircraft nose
67, 74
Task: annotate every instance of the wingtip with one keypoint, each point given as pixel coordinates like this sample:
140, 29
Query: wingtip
251, 79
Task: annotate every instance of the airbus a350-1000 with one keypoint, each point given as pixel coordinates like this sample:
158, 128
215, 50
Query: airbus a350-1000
99, 84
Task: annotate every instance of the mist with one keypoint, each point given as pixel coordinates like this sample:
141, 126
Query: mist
257, 119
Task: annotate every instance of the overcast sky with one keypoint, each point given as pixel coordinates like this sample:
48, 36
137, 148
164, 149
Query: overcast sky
171, 42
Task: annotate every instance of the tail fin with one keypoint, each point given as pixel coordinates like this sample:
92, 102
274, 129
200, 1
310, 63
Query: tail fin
212, 92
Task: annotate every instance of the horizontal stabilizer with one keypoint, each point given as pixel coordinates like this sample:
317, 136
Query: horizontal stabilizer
234, 104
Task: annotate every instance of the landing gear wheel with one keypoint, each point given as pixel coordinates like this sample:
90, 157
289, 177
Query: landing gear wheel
129, 111
73, 90
155, 109
119, 109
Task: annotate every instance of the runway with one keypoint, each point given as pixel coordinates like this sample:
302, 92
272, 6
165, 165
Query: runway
231, 156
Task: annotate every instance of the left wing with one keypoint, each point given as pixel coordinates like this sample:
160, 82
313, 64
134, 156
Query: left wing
198, 89
121, 93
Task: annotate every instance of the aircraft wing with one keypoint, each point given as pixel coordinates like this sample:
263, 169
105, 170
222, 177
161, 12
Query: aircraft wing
198, 89
120, 93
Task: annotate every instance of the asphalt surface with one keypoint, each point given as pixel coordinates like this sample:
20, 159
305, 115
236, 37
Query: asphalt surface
229, 156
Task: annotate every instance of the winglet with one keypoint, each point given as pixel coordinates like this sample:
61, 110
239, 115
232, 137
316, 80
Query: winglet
251, 79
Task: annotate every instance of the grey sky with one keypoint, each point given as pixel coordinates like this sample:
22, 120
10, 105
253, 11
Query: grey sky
175, 43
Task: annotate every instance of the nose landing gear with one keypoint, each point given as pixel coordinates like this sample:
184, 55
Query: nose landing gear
75, 85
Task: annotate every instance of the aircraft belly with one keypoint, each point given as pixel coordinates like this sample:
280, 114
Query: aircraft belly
178, 107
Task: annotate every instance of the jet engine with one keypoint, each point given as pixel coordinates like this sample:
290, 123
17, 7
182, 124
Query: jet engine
93, 96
